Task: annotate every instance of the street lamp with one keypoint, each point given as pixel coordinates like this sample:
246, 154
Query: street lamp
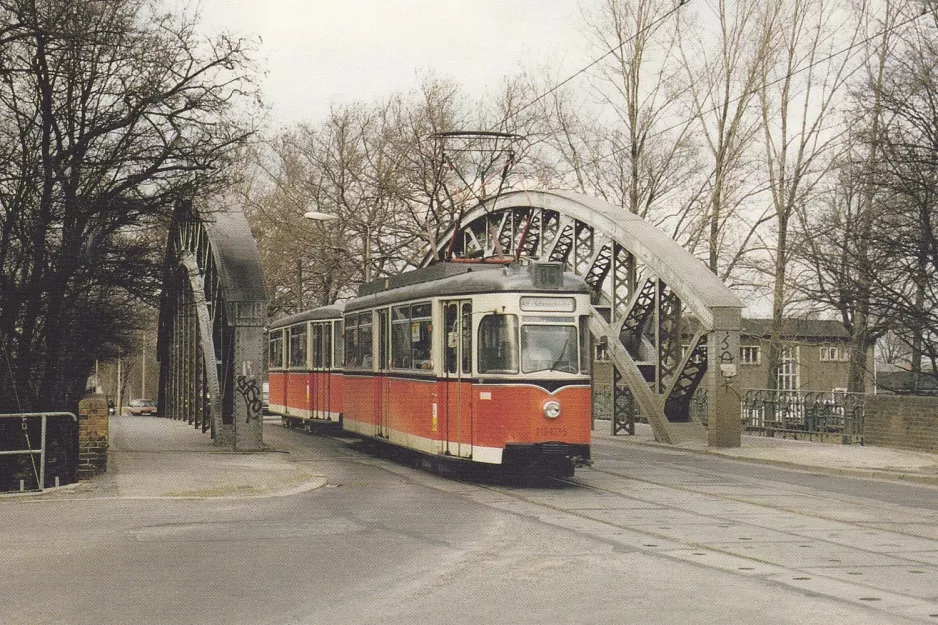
317, 216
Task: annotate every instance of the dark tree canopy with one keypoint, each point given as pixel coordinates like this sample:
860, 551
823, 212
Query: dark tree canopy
110, 112
908, 174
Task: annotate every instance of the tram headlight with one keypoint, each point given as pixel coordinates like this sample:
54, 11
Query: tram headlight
552, 409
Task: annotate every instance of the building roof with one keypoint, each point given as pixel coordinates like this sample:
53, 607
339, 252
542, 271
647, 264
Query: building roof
792, 329
797, 329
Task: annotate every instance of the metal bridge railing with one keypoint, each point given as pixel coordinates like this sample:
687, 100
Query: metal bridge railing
826, 416
37, 450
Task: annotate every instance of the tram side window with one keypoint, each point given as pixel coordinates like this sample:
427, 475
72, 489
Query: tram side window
351, 340
467, 338
363, 358
275, 350
322, 345
318, 356
411, 337
498, 344
461, 342
298, 346
421, 331
327, 345
401, 355
339, 343
585, 349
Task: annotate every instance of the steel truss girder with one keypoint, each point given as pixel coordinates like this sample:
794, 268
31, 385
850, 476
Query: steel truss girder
650, 318
212, 314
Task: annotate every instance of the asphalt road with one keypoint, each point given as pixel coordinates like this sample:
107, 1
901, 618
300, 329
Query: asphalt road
646, 536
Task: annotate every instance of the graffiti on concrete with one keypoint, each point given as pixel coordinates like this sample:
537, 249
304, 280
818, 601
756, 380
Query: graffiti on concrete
252, 397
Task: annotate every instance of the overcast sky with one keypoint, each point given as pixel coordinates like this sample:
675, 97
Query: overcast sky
322, 51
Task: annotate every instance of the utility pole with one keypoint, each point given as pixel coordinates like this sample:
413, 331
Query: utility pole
299, 284
117, 409
143, 367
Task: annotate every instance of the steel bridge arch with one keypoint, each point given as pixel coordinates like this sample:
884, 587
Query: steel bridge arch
650, 295
213, 309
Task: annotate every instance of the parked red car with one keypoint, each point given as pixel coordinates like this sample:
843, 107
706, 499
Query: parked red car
141, 407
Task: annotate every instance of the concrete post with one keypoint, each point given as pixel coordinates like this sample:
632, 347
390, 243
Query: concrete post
249, 352
724, 425
92, 435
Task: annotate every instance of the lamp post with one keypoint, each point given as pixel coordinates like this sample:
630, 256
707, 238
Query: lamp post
366, 255
315, 216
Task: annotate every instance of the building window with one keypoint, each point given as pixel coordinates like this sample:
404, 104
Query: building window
701, 352
750, 354
834, 354
788, 374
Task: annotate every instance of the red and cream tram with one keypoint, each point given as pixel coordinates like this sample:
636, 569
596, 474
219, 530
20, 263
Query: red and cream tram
304, 359
474, 361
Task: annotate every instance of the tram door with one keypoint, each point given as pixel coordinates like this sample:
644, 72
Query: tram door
457, 384
383, 382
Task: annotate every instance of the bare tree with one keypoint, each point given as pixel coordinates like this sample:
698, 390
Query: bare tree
380, 172
908, 177
842, 243
642, 87
803, 78
623, 138
110, 112
724, 67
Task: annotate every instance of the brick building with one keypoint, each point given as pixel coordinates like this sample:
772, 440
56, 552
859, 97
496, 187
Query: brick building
815, 355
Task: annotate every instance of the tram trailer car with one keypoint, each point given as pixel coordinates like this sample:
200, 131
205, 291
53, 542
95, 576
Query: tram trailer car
304, 361
473, 361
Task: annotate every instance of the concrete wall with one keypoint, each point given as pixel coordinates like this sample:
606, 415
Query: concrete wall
902, 422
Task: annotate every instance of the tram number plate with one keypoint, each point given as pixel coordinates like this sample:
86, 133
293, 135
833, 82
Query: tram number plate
550, 431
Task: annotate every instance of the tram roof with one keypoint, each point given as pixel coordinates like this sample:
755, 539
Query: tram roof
454, 279
332, 311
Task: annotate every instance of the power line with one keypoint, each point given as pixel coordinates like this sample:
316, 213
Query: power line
755, 90
596, 61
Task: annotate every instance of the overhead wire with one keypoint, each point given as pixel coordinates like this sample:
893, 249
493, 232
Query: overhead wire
754, 91
513, 114
616, 48
748, 93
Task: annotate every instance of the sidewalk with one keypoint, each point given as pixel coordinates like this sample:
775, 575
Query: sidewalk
859, 460
150, 457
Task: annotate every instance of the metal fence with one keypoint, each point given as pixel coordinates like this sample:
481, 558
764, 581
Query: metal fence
37, 450
827, 416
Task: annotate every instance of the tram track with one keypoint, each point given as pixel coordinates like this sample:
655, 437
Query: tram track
827, 497
524, 493
672, 542
511, 491
578, 483
678, 517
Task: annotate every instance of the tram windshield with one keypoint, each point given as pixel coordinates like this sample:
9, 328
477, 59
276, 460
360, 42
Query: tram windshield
543, 346
549, 348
